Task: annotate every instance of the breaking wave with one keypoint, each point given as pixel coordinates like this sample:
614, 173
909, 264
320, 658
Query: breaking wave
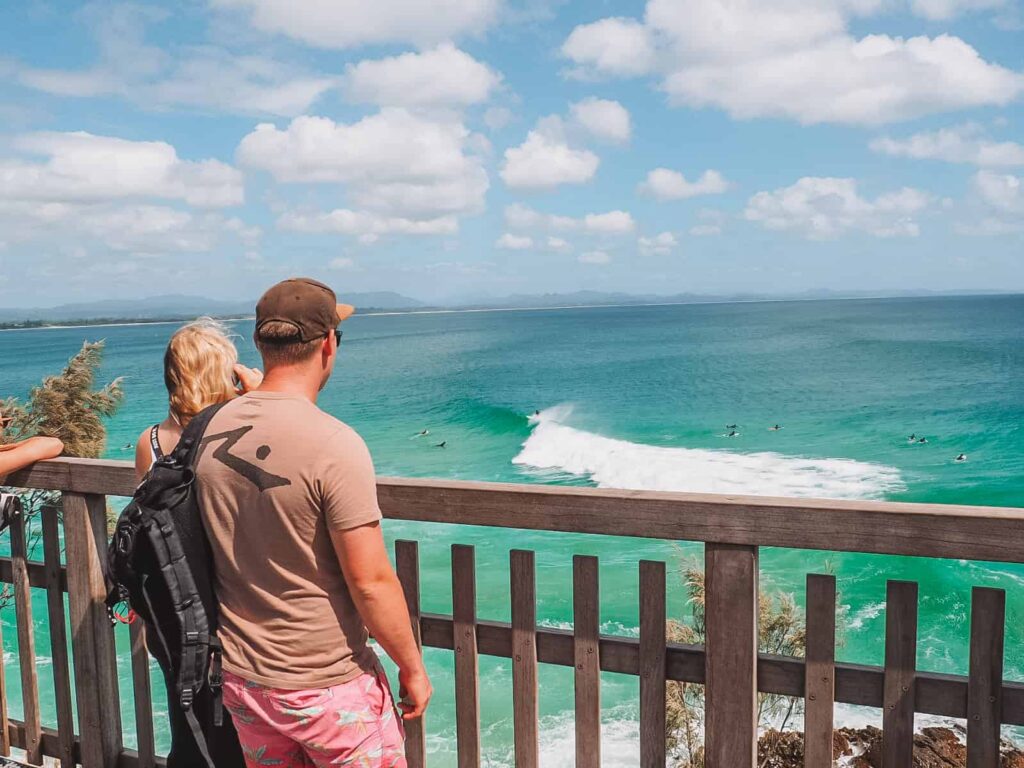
612, 463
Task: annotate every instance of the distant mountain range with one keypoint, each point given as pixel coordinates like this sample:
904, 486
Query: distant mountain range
173, 307
178, 307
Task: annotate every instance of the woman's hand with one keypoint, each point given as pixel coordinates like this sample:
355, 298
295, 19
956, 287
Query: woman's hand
248, 378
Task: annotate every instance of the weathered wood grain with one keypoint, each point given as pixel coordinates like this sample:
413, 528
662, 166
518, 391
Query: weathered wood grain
984, 694
26, 635
820, 658
900, 673
524, 659
467, 684
652, 664
407, 566
99, 712
55, 583
586, 622
730, 611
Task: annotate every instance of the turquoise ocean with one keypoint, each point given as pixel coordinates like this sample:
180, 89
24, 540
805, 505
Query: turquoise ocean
640, 397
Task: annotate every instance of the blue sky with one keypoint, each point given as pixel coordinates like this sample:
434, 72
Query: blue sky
471, 148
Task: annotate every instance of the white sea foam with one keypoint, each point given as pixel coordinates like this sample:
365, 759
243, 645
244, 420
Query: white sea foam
611, 463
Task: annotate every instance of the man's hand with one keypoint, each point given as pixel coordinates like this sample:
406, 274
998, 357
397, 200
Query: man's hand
414, 690
247, 378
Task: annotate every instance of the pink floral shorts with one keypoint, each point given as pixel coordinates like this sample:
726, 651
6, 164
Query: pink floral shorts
353, 724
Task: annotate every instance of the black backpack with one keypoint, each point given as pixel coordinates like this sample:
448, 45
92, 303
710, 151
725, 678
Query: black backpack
160, 567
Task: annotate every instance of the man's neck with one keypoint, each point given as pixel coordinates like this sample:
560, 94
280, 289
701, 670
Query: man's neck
290, 381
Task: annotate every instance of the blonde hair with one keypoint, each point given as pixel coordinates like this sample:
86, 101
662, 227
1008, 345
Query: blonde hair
198, 368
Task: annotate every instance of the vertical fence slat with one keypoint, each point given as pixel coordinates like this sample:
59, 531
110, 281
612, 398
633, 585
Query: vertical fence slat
985, 683
586, 627
5, 731
26, 635
524, 658
819, 671
58, 637
652, 664
143, 696
467, 686
900, 674
407, 566
99, 710
730, 662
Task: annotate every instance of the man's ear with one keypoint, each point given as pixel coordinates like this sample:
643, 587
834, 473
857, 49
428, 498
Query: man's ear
326, 351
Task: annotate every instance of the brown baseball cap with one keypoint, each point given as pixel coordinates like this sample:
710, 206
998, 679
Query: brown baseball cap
310, 306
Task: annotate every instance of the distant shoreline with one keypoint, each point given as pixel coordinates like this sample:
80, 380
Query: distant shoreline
42, 325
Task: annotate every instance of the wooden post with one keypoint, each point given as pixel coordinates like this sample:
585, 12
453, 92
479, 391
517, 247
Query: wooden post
524, 659
26, 635
819, 671
407, 566
730, 664
99, 711
467, 686
586, 625
142, 696
652, 664
58, 637
900, 674
6, 502
985, 681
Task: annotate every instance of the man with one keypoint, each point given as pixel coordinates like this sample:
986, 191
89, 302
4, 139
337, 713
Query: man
289, 499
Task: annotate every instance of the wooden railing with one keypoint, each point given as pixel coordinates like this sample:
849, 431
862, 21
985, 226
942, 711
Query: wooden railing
729, 665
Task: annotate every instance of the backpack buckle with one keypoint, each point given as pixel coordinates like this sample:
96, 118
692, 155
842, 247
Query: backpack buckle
191, 638
187, 697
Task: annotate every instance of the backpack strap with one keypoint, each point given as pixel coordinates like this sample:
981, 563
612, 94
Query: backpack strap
154, 442
192, 436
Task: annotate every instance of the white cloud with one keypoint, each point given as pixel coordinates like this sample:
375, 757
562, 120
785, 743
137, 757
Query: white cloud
558, 245
204, 77
443, 76
615, 46
666, 184
659, 245
995, 205
520, 218
824, 208
365, 225
960, 144
497, 118
510, 242
710, 222
603, 119
85, 167
943, 10
594, 257
395, 163
122, 228
545, 160
611, 223
342, 264
764, 58
352, 23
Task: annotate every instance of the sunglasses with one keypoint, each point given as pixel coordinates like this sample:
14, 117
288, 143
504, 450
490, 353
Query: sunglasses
337, 336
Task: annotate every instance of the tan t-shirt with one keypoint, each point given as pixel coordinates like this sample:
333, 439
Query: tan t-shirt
275, 475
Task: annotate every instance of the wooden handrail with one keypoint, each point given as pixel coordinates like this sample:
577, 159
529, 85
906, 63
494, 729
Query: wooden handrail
729, 667
879, 527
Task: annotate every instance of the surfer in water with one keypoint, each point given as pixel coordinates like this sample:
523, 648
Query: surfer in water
731, 426
776, 428
912, 438
442, 444
424, 433
961, 458
734, 433
923, 440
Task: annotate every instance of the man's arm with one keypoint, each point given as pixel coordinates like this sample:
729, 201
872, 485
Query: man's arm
379, 598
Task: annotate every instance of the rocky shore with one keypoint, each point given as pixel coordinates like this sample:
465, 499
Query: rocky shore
862, 748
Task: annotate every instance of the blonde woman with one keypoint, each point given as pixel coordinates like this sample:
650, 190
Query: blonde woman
201, 369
